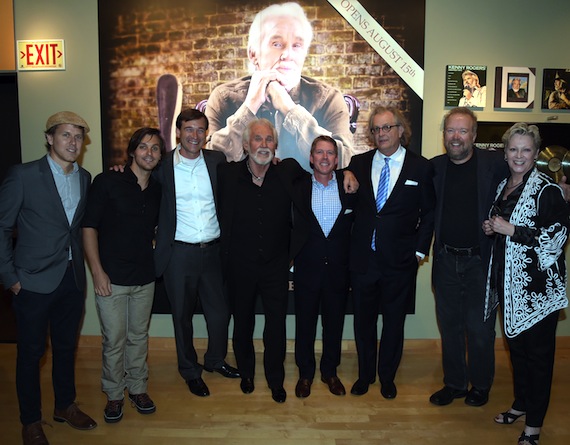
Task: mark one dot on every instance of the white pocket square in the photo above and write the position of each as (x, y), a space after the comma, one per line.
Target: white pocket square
(347, 211)
(410, 182)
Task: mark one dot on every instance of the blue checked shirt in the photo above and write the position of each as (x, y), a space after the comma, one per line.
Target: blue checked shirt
(326, 203)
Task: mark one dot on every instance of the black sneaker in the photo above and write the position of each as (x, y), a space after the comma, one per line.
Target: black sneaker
(113, 411)
(143, 403)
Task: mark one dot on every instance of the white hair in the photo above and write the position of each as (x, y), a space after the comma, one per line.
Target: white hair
(289, 9)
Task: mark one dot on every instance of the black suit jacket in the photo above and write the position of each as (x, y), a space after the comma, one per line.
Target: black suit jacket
(405, 223)
(29, 200)
(315, 250)
(491, 169)
(167, 216)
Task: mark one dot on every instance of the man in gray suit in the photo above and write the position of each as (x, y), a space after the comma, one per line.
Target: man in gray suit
(45, 201)
(187, 250)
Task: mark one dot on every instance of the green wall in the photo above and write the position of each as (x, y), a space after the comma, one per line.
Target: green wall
(487, 32)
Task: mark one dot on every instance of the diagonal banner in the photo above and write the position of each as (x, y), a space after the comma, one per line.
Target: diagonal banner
(377, 37)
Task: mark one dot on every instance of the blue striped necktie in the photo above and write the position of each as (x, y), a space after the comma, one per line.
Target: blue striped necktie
(382, 193)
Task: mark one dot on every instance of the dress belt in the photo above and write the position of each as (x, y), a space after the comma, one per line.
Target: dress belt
(200, 245)
(462, 251)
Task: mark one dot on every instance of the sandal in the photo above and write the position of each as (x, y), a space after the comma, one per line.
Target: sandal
(531, 439)
(508, 418)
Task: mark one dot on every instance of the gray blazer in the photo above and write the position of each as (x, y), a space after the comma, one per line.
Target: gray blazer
(167, 215)
(30, 203)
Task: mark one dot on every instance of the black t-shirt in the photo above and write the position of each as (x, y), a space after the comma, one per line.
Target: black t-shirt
(125, 218)
(460, 224)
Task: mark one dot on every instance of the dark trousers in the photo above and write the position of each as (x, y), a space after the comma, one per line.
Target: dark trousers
(389, 292)
(331, 299)
(193, 273)
(459, 283)
(532, 356)
(247, 280)
(61, 312)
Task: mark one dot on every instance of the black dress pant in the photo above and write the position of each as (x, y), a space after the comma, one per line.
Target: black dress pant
(328, 292)
(59, 311)
(532, 356)
(390, 292)
(246, 280)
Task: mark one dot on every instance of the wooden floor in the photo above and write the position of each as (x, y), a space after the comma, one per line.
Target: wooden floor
(230, 417)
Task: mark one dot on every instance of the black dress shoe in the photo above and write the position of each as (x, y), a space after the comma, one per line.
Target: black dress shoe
(247, 386)
(303, 388)
(360, 387)
(278, 394)
(477, 397)
(446, 395)
(388, 390)
(226, 370)
(198, 387)
(335, 385)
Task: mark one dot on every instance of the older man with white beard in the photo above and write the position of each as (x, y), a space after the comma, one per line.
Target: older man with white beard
(299, 107)
(255, 199)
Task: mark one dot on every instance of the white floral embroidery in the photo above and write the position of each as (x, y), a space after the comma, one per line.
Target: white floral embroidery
(523, 308)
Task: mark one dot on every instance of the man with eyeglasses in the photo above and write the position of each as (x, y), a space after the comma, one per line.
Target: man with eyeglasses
(391, 235)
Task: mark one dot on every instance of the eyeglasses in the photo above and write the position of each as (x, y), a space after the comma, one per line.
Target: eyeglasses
(383, 129)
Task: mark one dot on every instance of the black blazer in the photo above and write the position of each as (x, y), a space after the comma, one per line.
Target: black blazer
(29, 199)
(491, 169)
(167, 216)
(405, 223)
(311, 248)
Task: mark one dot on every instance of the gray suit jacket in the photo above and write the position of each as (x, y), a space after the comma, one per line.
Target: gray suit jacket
(30, 203)
(167, 215)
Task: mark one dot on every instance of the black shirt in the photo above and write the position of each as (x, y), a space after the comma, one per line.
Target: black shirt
(125, 218)
(262, 222)
(460, 223)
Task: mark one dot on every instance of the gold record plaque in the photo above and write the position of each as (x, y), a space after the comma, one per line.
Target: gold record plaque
(554, 160)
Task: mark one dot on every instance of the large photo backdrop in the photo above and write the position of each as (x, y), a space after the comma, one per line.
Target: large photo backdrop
(159, 55)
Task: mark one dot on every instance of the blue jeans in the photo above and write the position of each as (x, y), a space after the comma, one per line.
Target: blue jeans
(61, 312)
(125, 318)
(468, 342)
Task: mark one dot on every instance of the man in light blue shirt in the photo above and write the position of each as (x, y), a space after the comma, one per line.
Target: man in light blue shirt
(45, 201)
(322, 225)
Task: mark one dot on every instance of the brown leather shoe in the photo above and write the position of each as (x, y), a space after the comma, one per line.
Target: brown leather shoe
(303, 388)
(74, 417)
(33, 434)
(335, 385)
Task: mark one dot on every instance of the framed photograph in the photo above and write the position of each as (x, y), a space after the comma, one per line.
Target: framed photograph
(517, 87)
(465, 86)
(514, 87)
(555, 94)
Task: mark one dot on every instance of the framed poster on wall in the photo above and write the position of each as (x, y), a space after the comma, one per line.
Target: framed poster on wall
(514, 87)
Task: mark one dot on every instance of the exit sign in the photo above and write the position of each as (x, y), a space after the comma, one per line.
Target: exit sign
(38, 55)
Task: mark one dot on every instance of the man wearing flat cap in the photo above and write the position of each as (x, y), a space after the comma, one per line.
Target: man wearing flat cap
(44, 202)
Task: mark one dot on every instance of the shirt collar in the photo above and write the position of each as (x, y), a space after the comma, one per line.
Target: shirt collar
(178, 157)
(57, 169)
(316, 183)
(397, 156)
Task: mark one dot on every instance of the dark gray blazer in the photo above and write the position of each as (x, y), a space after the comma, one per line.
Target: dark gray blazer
(167, 216)
(30, 202)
